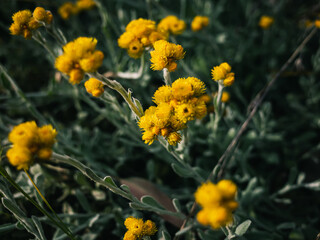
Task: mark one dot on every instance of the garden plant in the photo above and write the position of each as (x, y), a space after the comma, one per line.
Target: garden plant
(158, 119)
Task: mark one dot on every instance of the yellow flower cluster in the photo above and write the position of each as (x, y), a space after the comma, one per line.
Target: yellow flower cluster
(199, 22)
(139, 34)
(217, 202)
(176, 105)
(317, 23)
(94, 87)
(79, 57)
(137, 228)
(165, 55)
(68, 8)
(222, 74)
(30, 141)
(265, 22)
(24, 22)
(171, 25)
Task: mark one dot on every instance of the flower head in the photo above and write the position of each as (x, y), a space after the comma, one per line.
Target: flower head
(79, 57)
(23, 24)
(41, 15)
(94, 87)
(165, 54)
(265, 22)
(199, 22)
(171, 24)
(217, 202)
(137, 228)
(67, 9)
(176, 105)
(30, 141)
(222, 74)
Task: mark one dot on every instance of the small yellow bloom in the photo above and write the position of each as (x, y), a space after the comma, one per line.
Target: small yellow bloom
(227, 188)
(182, 89)
(85, 4)
(137, 228)
(199, 22)
(79, 56)
(20, 157)
(40, 14)
(135, 49)
(317, 23)
(208, 194)
(171, 24)
(165, 54)
(148, 137)
(25, 135)
(67, 9)
(223, 74)
(23, 24)
(30, 141)
(163, 94)
(265, 22)
(94, 87)
(174, 138)
(47, 135)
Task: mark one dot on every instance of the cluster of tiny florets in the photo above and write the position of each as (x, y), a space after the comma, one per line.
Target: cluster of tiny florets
(137, 228)
(199, 22)
(94, 87)
(266, 21)
(24, 22)
(222, 74)
(30, 141)
(165, 55)
(69, 8)
(171, 25)
(217, 202)
(139, 34)
(176, 105)
(78, 58)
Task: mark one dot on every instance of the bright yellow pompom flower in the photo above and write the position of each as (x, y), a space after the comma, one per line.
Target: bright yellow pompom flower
(165, 55)
(171, 24)
(137, 228)
(199, 22)
(222, 74)
(94, 87)
(265, 22)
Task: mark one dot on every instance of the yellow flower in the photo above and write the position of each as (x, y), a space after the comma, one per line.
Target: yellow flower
(25, 135)
(174, 138)
(135, 49)
(162, 114)
(40, 14)
(47, 135)
(20, 157)
(227, 188)
(149, 228)
(265, 22)
(30, 141)
(163, 94)
(225, 97)
(67, 9)
(137, 228)
(23, 24)
(223, 74)
(198, 86)
(148, 137)
(317, 23)
(199, 22)
(200, 108)
(125, 39)
(182, 89)
(165, 54)
(171, 24)
(94, 87)
(208, 194)
(156, 36)
(79, 57)
(85, 4)
(217, 202)
(141, 28)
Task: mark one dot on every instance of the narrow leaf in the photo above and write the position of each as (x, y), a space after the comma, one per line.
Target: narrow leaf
(182, 172)
(151, 202)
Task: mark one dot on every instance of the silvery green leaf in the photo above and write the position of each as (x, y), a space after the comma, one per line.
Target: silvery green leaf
(243, 227)
(148, 200)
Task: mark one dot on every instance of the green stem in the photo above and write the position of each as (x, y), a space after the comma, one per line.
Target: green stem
(126, 95)
(133, 75)
(166, 76)
(90, 174)
(217, 108)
